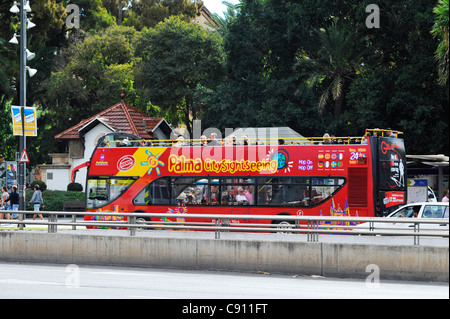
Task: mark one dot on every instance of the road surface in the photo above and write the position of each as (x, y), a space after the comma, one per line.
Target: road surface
(19, 280)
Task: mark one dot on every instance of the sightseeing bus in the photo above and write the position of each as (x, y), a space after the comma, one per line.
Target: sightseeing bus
(362, 176)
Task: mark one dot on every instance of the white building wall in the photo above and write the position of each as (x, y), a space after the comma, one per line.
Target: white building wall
(90, 142)
(60, 178)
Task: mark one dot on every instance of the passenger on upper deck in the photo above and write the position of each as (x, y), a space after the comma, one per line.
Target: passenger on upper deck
(364, 140)
(203, 141)
(389, 133)
(179, 142)
(326, 138)
(245, 139)
(213, 141)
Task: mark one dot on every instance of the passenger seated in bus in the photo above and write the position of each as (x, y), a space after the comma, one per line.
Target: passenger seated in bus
(181, 199)
(248, 193)
(213, 141)
(231, 141)
(203, 141)
(389, 133)
(245, 139)
(125, 142)
(190, 200)
(228, 198)
(269, 194)
(240, 198)
(198, 195)
(214, 192)
(148, 143)
(326, 139)
(192, 195)
(179, 142)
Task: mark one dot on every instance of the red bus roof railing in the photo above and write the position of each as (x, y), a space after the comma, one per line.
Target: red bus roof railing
(234, 141)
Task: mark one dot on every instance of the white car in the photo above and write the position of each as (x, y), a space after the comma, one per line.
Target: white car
(422, 210)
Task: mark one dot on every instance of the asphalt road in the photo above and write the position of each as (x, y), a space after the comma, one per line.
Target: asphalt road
(30, 281)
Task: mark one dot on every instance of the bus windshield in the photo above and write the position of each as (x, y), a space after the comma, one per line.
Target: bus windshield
(102, 190)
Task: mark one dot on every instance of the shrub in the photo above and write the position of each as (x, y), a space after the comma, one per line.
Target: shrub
(53, 200)
(75, 187)
(42, 185)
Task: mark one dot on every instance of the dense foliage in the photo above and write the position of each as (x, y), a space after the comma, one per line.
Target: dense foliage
(311, 65)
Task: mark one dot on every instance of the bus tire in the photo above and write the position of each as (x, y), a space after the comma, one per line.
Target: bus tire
(142, 219)
(283, 224)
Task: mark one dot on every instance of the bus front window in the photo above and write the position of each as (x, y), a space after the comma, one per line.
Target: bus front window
(103, 190)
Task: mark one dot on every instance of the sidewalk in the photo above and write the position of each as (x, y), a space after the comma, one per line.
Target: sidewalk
(34, 225)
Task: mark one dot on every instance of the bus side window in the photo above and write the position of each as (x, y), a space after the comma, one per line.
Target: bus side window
(324, 188)
(155, 193)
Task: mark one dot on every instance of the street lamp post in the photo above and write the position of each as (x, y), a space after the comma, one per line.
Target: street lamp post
(25, 55)
(23, 99)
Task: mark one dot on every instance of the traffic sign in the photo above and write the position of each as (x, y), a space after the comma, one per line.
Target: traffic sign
(24, 157)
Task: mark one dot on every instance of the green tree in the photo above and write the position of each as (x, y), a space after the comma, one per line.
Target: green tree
(440, 31)
(116, 8)
(179, 62)
(399, 89)
(49, 17)
(334, 64)
(93, 72)
(8, 143)
(4, 82)
(93, 15)
(260, 87)
(270, 43)
(148, 13)
(228, 16)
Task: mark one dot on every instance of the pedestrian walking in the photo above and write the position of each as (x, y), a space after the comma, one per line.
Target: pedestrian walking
(38, 202)
(4, 207)
(14, 201)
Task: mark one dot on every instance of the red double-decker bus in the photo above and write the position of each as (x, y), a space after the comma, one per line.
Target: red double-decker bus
(312, 176)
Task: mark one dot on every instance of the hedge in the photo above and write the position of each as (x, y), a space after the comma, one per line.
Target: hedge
(53, 200)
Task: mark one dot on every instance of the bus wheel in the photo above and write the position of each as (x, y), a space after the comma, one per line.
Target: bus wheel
(283, 225)
(142, 220)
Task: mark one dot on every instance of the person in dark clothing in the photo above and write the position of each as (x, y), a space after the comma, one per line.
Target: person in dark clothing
(14, 201)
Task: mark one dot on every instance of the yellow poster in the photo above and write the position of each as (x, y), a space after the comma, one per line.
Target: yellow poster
(30, 127)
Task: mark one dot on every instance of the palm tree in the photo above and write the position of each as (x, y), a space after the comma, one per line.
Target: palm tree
(229, 15)
(440, 31)
(335, 60)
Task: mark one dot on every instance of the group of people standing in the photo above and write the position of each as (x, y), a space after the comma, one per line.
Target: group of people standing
(10, 202)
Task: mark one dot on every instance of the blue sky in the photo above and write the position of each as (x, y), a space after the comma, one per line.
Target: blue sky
(216, 6)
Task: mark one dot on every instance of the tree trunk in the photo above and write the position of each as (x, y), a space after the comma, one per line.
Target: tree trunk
(119, 14)
(338, 104)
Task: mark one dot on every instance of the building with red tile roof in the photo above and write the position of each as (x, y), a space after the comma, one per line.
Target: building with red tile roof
(121, 117)
(83, 137)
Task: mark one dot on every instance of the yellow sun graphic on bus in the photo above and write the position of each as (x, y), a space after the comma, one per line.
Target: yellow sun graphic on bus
(153, 162)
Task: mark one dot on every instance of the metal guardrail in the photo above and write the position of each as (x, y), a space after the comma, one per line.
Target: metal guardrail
(313, 226)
